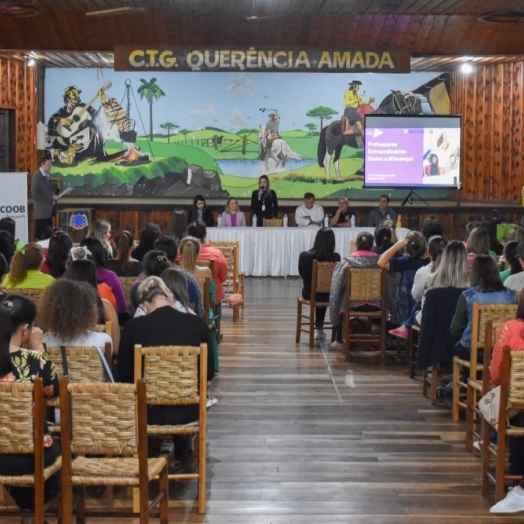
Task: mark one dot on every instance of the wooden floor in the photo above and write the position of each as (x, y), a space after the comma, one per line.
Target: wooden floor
(290, 442)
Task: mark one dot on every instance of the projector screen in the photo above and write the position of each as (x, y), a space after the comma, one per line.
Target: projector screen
(421, 151)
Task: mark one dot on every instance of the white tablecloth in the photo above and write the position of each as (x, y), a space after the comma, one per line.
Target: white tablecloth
(274, 251)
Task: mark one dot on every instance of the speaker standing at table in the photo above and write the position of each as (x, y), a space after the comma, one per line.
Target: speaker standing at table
(264, 201)
(44, 199)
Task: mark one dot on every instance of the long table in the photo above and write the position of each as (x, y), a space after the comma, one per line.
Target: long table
(274, 251)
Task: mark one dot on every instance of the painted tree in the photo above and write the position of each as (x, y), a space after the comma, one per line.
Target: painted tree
(184, 132)
(169, 126)
(322, 112)
(311, 127)
(151, 91)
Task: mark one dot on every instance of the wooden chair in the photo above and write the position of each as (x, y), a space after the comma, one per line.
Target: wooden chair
(273, 222)
(127, 284)
(177, 376)
(81, 365)
(435, 344)
(34, 294)
(365, 285)
(204, 284)
(211, 265)
(511, 396)
(22, 431)
(320, 283)
(104, 426)
(104, 328)
(235, 282)
(497, 313)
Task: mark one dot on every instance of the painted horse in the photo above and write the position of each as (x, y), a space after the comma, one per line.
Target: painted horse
(278, 150)
(333, 139)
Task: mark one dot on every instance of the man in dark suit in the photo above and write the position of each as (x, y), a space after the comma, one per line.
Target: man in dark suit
(44, 198)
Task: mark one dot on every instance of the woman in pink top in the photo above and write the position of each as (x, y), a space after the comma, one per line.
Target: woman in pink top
(233, 217)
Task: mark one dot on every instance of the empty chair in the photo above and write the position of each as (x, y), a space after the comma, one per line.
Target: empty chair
(104, 443)
(176, 377)
(22, 423)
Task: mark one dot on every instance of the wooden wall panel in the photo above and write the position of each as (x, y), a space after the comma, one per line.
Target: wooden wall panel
(18, 92)
(491, 103)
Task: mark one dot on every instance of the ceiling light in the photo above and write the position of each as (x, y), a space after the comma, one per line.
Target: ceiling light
(31, 62)
(502, 17)
(466, 68)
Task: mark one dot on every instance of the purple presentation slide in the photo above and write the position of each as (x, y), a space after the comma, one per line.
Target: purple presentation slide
(394, 156)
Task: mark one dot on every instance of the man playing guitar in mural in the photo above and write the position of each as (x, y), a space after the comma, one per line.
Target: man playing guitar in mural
(73, 131)
(352, 121)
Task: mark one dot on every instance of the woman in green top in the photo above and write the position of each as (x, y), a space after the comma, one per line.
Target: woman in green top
(24, 271)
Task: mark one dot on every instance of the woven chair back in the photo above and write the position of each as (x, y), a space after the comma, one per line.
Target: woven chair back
(496, 313)
(171, 374)
(322, 276)
(366, 285)
(33, 294)
(16, 417)
(273, 222)
(516, 380)
(84, 364)
(204, 284)
(104, 328)
(103, 419)
(127, 284)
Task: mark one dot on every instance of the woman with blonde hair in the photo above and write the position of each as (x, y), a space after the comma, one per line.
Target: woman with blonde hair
(232, 216)
(189, 249)
(24, 272)
(101, 230)
(69, 314)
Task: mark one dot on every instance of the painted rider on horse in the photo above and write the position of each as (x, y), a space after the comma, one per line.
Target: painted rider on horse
(271, 133)
(352, 121)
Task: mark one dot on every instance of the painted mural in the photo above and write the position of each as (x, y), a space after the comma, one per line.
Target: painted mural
(180, 134)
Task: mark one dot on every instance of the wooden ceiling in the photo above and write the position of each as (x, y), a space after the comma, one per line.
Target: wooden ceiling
(436, 32)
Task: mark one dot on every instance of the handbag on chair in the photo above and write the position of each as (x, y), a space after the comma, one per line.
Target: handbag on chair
(235, 300)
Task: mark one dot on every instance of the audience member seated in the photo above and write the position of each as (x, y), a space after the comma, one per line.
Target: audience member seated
(451, 271)
(69, 316)
(163, 325)
(104, 275)
(179, 224)
(199, 211)
(7, 247)
(60, 245)
(176, 282)
(515, 282)
(435, 247)
(155, 263)
(101, 230)
(24, 272)
(309, 213)
(189, 251)
(84, 271)
(431, 227)
(495, 246)
(9, 224)
(485, 288)
(515, 234)
(384, 238)
(22, 360)
(124, 264)
(148, 235)
(382, 212)
(232, 216)
(511, 261)
(323, 250)
(198, 230)
(168, 245)
(477, 244)
(342, 216)
(362, 258)
(414, 258)
(510, 334)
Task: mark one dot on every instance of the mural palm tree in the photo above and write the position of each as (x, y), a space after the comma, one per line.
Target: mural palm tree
(150, 91)
(169, 126)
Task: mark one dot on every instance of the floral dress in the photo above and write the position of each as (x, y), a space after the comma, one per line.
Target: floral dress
(28, 365)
